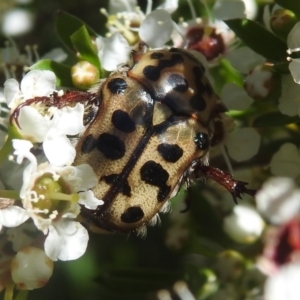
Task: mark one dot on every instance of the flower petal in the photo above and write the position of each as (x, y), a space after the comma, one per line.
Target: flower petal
(89, 200)
(284, 284)
(278, 200)
(235, 97)
(38, 83)
(13, 216)
(33, 125)
(156, 29)
(289, 103)
(70, 119)
(67, 240)
(244, 59)
(58, 149)
(169, 5)
(243, 143)
(112, 51)
(294, 37)
(11, 91)
(286, 161)
(229, 9)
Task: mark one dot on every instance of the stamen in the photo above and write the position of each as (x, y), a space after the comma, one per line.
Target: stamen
(53, 215)
(182, 291)
(208, 12)
(164, 295)
(36, 54)
(5, 70)
(13, 70)
(9, 291)
(29, 54)
(104, 12)
(128, 8)
(63, 197)
(192, 9)
(149, 7)
(130, 37)
(290, 51)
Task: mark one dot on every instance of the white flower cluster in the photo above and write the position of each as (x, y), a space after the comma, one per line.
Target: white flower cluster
(52, 191)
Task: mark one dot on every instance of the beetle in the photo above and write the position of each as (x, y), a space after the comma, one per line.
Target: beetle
(152, 133)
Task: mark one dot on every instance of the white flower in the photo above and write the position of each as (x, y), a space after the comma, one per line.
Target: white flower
(31, 268)
(243, 143)
(49, 196)
(50, 127)
(211, 37)
(289, 101)
(17, 21)
(286, 161)
(284, 284)
(278, 200)
(154, 28)
(112, 51)
(244, 225)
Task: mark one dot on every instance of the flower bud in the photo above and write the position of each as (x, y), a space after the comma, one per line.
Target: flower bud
(260, 82)
(244, 225)
(282, 21)
(31, 268)
(229, 265)
(84, 75)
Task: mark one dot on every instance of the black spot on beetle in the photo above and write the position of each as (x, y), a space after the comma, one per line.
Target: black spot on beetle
(122, 121)
(153, 72)
(132, 214)
(125, 189)
(170, 152)
(88, 144)
(111, 146)
(117, 85)
(178, 83)
(197, 102)
(201, 140)
(154, 174)
(157, 55)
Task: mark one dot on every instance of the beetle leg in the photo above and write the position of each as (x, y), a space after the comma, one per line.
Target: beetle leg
(235, 187)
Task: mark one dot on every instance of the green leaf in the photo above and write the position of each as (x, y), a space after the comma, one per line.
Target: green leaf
(62, 72)
(259, 39)
(293, 5)
(83, 44)
(274, 119)
(66, 25)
